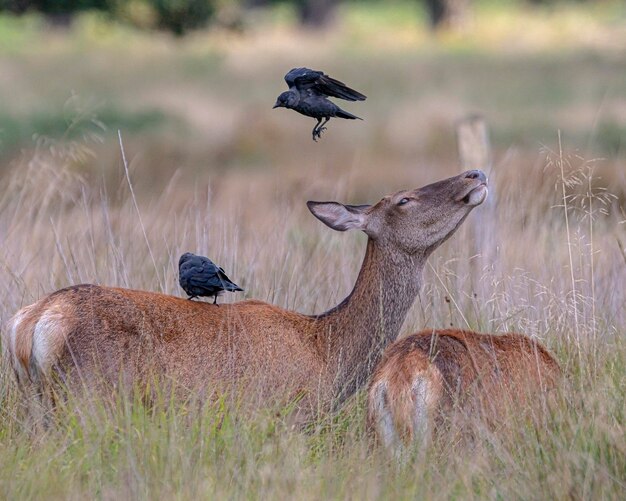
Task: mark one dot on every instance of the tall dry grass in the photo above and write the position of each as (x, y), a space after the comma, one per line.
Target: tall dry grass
(545, 256)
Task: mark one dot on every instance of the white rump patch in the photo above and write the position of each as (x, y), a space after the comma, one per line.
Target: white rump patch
(48, 336)
(420, 418)
(383, 416)
(8, 343)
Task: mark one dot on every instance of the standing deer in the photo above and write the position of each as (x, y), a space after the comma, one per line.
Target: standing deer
(94, 335)
(424, 378)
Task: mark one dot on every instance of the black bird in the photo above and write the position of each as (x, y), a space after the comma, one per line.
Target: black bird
(308, 94)
(199, 276)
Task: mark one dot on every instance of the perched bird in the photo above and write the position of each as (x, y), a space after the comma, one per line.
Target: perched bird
(308, 94)
(199, 276)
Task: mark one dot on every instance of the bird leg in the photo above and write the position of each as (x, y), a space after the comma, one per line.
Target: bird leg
(215, 300)
(321, 128)
(315, 132)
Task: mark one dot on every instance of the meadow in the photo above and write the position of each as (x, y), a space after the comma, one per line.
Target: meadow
(214, 170)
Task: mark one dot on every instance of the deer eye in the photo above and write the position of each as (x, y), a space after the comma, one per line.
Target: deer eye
(403, 201)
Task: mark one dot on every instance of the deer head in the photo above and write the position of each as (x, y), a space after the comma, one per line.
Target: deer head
(412, 222)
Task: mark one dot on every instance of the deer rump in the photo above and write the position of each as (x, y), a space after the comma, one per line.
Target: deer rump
(431, 378)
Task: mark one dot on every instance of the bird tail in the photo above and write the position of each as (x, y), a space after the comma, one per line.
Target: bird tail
(344, 114)
(232, 287)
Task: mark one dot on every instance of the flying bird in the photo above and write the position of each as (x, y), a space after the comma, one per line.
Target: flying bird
(308, 94)
(199, 276)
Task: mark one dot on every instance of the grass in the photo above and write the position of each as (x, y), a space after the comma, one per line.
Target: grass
(216, 173)
(59, 229)
(163, 452)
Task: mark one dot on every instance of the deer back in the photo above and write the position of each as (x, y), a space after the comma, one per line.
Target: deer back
(108, 335)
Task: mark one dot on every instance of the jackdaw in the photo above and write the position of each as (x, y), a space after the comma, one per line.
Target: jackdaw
(308, 94)
(199, 276)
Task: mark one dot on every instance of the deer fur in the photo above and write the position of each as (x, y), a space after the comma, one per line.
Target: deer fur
(92, 335)
(425, 377)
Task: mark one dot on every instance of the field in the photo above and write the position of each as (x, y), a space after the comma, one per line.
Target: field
(214, 170)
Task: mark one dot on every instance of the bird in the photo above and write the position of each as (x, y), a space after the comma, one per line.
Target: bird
(308, 94)
(199, 276)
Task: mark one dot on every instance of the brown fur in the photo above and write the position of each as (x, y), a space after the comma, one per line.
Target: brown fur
(475, 373)
(91, 335)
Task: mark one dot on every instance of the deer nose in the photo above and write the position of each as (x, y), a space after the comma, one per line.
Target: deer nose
(476, 174)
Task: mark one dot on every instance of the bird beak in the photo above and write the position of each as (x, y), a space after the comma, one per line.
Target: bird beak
(277, 105)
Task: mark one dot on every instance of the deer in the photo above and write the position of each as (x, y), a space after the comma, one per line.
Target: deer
(427, 379)
(97, 339)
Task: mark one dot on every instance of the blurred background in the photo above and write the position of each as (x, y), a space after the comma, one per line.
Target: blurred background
(191, 83)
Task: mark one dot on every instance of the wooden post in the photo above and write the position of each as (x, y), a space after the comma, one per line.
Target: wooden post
(473, 143)
(475, 153)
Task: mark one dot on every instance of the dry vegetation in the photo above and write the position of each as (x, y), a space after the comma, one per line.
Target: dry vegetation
(218, 173)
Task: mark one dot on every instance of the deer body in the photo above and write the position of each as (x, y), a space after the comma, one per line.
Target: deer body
(424, 378)
(91, 334)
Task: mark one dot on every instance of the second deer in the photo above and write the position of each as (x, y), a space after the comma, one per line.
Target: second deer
(426, 378)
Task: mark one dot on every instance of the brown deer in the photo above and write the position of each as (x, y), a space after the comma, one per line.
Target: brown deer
(424, 378)
(93, 335)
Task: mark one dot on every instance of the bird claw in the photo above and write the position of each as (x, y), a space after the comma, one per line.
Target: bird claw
(317, 133)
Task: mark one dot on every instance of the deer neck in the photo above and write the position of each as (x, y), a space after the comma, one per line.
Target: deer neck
(354, 333)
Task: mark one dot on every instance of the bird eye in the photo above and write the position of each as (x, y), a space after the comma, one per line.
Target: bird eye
(403, 201)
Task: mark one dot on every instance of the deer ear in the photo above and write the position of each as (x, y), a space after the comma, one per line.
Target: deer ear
(338, 216)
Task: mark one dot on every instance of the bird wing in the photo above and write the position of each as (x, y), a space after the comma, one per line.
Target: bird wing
(204, 275)
(197, 268)
(297, 77)
(206, 281)
(194, 274)
(305, 79)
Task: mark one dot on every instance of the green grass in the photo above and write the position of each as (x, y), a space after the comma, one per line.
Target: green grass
(129, 450)
(22, 130)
